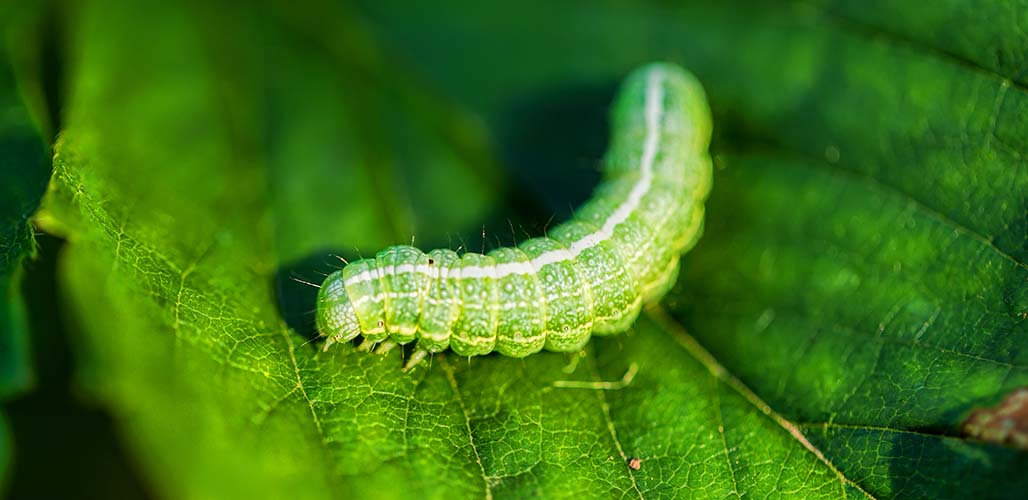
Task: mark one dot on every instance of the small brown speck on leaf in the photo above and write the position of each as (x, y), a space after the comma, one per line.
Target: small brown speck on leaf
(635, 463)
(1006, 423)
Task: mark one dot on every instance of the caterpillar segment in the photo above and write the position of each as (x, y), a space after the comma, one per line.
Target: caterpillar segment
(590, 275)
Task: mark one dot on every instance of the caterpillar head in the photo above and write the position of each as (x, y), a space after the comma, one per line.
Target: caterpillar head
(337, 320)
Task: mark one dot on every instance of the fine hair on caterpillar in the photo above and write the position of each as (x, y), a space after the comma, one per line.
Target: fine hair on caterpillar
(587, 276)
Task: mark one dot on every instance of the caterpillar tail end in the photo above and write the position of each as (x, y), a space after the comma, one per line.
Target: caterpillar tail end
(415, 359)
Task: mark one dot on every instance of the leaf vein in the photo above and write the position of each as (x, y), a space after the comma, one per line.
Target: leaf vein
(467, 423)
(605, 408)
(698, 352)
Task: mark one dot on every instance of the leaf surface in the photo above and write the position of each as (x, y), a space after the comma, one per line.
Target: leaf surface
(860, 287)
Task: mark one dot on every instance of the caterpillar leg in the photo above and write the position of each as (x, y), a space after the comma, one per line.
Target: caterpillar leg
(573, 363)
(329, 341)
(386, 346)
(367, 345)
(415, 359)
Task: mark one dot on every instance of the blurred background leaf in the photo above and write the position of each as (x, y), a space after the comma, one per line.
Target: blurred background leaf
(24, 170)
(859, 290)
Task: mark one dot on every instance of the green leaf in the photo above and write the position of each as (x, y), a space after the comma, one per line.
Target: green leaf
(5, 452)
(24, 172)
(860, 287)
(23, 176)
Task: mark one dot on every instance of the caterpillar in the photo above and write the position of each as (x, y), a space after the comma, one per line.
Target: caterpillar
(588, 276)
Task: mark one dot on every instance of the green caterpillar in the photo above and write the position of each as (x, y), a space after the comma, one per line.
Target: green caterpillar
(589, 275)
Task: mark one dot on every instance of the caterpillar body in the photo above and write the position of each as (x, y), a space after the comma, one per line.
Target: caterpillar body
(589, 275)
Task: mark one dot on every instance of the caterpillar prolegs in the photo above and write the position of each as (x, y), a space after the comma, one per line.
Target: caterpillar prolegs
(589, 275)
